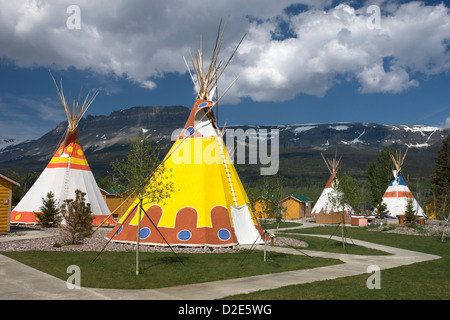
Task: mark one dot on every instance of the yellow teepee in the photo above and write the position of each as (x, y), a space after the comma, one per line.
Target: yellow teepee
(209, 206)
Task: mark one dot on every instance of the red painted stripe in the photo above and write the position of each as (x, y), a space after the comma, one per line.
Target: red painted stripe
(29, 217)
(390, 194)
(22, 217)
(72, 166)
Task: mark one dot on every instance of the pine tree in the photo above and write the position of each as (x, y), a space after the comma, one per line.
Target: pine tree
(78, 219)
(410, 214)
(440, 181)
(49, 215)
(382, 210)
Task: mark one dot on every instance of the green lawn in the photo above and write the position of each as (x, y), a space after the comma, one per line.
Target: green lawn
(118, 269)
(426, 280)
(419, 281)
(328, 245)
(271, 224)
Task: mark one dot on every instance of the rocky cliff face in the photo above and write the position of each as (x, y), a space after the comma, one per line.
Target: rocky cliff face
(98, 133)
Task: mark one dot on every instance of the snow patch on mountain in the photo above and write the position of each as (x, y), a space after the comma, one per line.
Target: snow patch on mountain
(4, 143)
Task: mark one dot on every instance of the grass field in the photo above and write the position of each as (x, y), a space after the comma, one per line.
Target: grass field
(426, 280)
(118, 269)
(419, 281)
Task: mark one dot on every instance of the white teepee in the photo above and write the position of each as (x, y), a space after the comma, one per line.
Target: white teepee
(398, 193)
(67, 171)
(323, 205)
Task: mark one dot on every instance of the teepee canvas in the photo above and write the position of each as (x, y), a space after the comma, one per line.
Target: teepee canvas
(209, 206)
(323, 204)
(67, 171)
(398, 193)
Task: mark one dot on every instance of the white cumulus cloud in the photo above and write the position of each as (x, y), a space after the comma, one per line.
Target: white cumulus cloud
(335, 44)
(447, 122)
(285, 52)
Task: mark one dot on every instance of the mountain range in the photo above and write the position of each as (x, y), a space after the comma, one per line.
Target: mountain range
(105, 138)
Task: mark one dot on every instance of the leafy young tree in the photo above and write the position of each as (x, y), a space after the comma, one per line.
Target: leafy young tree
(142, 164)
(49, 215)
(379, 174)
(77, 217)
(268, 195)
(347, 193)
(134, 173)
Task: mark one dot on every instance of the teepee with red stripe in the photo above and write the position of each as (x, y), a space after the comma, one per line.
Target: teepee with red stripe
(398, 194)
(324, 204)
(67, 171)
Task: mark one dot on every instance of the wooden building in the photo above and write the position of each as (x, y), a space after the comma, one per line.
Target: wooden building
(259, 207)
(118, 203)
(6, 185)
(297, 207)
(333, 218)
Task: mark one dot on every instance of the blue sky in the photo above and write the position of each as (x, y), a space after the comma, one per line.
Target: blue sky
(301, 61)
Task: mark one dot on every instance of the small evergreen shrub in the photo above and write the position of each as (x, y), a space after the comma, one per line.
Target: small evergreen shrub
(78, 219)
(49, 215)
(410, 214)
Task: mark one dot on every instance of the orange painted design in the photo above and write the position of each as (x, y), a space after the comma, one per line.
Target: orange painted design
(330, 181)
(398, 194)
(29, 217)
(190, 123)
(73, 151)
(185, 231)
(23, 217)
(98, 219)
(405, 194)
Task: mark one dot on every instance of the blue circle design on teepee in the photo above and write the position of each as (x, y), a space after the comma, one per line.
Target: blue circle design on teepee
(119, 230)
(224, 234)
(184, 235)
(189, 131)
(144, 233)
(202, 105)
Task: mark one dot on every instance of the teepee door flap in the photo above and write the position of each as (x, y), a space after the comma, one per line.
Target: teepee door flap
(244, 228)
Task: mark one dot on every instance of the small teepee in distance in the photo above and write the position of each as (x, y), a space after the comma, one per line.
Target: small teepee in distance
(398, 193)
(67, 171)
(209, 206)
(323, 204)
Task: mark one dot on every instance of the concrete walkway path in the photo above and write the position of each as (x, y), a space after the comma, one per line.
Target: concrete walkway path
(18, 281)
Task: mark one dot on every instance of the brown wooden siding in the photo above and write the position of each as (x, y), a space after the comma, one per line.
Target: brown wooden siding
(5, 204)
